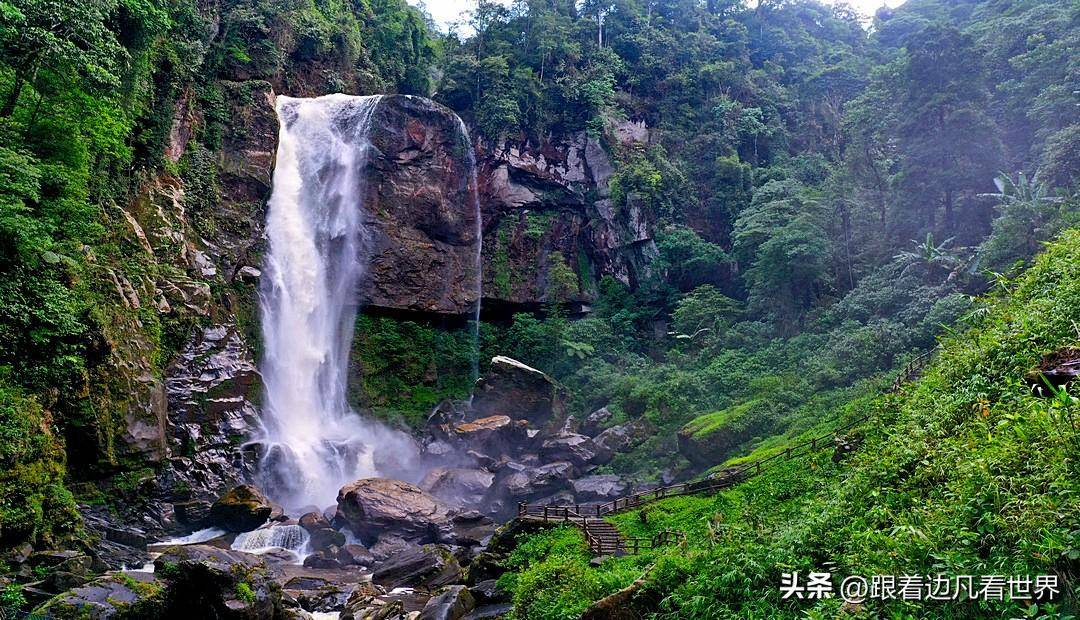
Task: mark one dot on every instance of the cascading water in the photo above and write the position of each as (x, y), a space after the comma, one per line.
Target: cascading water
(314, 442)
(289, 537)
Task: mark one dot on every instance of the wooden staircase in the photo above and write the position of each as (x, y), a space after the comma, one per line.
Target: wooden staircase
(604, 538)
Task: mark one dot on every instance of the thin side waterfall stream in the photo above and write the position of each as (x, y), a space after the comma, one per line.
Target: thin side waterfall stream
(314, 442)
(478, 266)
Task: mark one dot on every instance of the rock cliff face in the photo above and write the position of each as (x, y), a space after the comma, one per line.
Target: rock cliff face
(420, 210)
(537, 202)
(201, 232)
(554, 198)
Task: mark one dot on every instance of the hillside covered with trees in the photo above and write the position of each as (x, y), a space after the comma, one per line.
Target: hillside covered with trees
(825, 200)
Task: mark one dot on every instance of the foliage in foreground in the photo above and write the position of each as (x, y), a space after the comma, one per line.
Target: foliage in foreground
(963, 472)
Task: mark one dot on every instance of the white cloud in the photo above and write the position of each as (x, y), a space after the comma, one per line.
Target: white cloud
(446, 12)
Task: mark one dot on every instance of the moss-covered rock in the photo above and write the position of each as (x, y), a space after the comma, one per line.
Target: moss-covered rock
(34, 505)
(114, 596)
(241, 509)
(710, 439)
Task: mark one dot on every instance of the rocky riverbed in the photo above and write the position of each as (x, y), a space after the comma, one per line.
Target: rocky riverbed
(382, 548)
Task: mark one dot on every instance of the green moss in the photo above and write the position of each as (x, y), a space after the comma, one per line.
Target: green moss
(34, 504)
(538, 223)
(500, 265)
(245, 593)
(703, 426)
(402, 369)
(584, 272)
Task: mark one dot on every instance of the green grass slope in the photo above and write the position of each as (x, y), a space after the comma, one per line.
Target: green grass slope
(962, 472)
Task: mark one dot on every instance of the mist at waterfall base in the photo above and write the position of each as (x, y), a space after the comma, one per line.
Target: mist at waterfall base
(313, 441)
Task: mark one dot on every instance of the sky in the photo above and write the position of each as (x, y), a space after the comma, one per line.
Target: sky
(446, 12)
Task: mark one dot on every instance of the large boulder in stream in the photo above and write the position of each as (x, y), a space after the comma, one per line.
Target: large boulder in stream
(429, 566)
(511, 388)
(241, 509)
(192, 581)
(113, 595)
(451, 603)
(377, 506)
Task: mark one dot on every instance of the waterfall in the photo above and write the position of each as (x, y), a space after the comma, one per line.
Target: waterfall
(478, 265)
(314, 443)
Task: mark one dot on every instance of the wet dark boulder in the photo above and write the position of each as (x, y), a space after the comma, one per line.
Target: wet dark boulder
(621, 438)
(450, 603)
(470, 529)
(574, 448)
(389, 545)
(206, 582)
(313, 520)
(115, 596)
(321, 533)
(428, 566)
(514, 389)
(488, 591)
(324, 558)
(595, 421)
(378, 506)
(314, 592)
(241, 509)
(599, 488)
(457, 486)
(525, 483)
(494, 434)
(193, 513)
(356, 555)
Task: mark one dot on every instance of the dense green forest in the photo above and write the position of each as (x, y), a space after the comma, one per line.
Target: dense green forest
(826, 200)
(829, 197)
(963, 472)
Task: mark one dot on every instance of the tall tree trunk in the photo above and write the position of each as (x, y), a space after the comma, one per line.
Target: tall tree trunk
(949, 223)
(12, 99)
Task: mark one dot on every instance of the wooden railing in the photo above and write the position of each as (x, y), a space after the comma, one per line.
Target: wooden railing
(599, 542)
(716, 482)
(635, 545)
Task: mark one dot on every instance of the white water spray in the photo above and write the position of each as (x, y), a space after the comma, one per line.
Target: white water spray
(314, 442)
